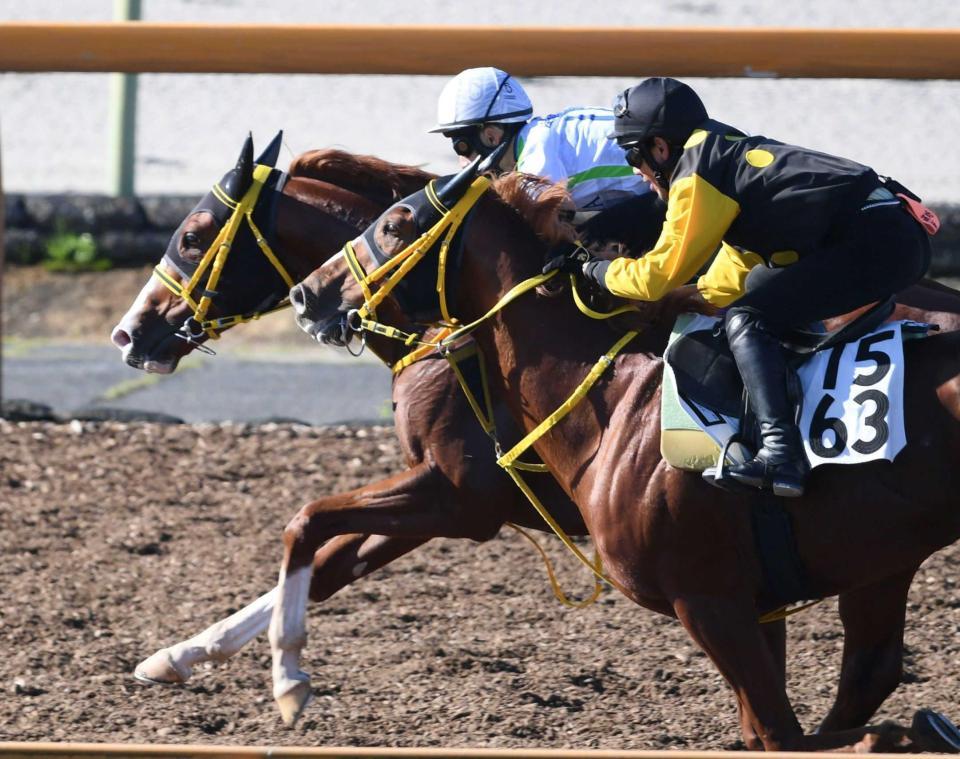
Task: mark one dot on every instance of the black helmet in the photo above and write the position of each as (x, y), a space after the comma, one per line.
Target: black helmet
(657, 107)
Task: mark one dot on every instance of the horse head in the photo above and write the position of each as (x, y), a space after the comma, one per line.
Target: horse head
(412, 263)
(236, 254)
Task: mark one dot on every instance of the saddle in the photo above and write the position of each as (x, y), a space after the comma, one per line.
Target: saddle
(707, 422)
(706, 373)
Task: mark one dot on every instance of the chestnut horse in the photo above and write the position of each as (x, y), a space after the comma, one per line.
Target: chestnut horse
(669, 541)
(329, 198)
(452, 487)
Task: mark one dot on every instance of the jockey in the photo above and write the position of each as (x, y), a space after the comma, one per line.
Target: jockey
(830, 234)
(480, 108)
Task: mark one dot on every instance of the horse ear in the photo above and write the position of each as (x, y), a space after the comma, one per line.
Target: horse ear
(236, 183)
(272, 152)
(453, 190)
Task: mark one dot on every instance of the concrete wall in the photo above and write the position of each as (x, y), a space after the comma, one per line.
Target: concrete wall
(134, 232)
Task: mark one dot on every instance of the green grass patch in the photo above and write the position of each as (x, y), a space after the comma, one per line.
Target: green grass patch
(73, 251)
(130, 386)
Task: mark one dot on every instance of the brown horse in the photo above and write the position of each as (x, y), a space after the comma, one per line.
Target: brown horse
(329, 197)
(669, 541)
(452, 487)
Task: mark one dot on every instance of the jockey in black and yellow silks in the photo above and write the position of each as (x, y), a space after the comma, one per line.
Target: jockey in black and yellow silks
(831, 236)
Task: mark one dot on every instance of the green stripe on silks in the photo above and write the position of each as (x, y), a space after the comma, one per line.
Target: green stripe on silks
(599, 172)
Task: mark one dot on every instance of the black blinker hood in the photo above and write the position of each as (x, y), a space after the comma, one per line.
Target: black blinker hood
(252, 266)
(416, 292)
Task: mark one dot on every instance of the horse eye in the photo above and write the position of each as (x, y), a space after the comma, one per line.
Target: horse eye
(191, 240)
(390, 227)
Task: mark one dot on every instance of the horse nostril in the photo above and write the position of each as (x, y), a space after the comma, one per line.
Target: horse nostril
(298, 299)
(120, 338)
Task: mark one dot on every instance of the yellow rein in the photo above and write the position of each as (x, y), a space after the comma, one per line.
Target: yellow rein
(215, 258)
(402, 263)
(444, 342)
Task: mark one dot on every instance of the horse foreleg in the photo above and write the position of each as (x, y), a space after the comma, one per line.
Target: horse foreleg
(288, 635)
(873, 620)
(728, 631)
(775, 637)
(418, 503)
(338, 563)
(218, 642)
(347, 558)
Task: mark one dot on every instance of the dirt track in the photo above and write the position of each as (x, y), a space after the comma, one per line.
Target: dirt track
(117, 540)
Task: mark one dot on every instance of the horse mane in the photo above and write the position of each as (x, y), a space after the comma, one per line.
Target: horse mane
(541, 203)
(364, 175)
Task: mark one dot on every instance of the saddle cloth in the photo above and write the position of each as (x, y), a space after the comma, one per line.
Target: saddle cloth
(851, 407)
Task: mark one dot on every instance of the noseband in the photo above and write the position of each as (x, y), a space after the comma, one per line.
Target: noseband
(215, 258)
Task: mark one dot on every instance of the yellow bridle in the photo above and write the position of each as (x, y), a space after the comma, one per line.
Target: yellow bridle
(403, 262)
(446, 341)
(395, 269)
(215, 258)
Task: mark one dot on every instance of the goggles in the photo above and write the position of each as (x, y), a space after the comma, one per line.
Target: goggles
(620, 109)
(466, 142)
(635, 154)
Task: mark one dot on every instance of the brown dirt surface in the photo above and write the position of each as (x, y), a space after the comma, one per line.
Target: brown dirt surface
(120, 539)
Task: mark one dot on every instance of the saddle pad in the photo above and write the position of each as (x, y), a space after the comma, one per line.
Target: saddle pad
(852, 409)
(684, 443)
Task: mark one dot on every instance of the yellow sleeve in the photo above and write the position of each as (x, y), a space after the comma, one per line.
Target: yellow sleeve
(698, 215)
(723, 282)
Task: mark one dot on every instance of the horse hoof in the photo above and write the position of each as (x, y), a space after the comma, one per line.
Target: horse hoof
(160, 669)
(933, 731)
(293, 702)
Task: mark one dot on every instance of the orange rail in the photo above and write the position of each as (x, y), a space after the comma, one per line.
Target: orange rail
(137, 751)
(527, 51)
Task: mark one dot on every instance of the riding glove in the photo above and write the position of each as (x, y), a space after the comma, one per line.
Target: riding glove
(571, 261)
(596, 271)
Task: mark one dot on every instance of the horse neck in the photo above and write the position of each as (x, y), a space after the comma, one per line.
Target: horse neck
(314, 221)
(548, 344)
(540, 349)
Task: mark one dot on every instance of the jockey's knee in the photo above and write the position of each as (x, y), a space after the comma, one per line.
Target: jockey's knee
(736, 320)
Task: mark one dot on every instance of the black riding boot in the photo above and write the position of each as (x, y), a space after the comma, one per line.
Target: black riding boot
(781, 463)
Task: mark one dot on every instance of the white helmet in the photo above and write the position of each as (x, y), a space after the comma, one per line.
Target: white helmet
(481, 96)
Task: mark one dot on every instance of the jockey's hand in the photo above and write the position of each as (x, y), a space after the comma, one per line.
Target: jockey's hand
(570, 262)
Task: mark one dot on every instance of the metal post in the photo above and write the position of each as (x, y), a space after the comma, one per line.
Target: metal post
(123, 114)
